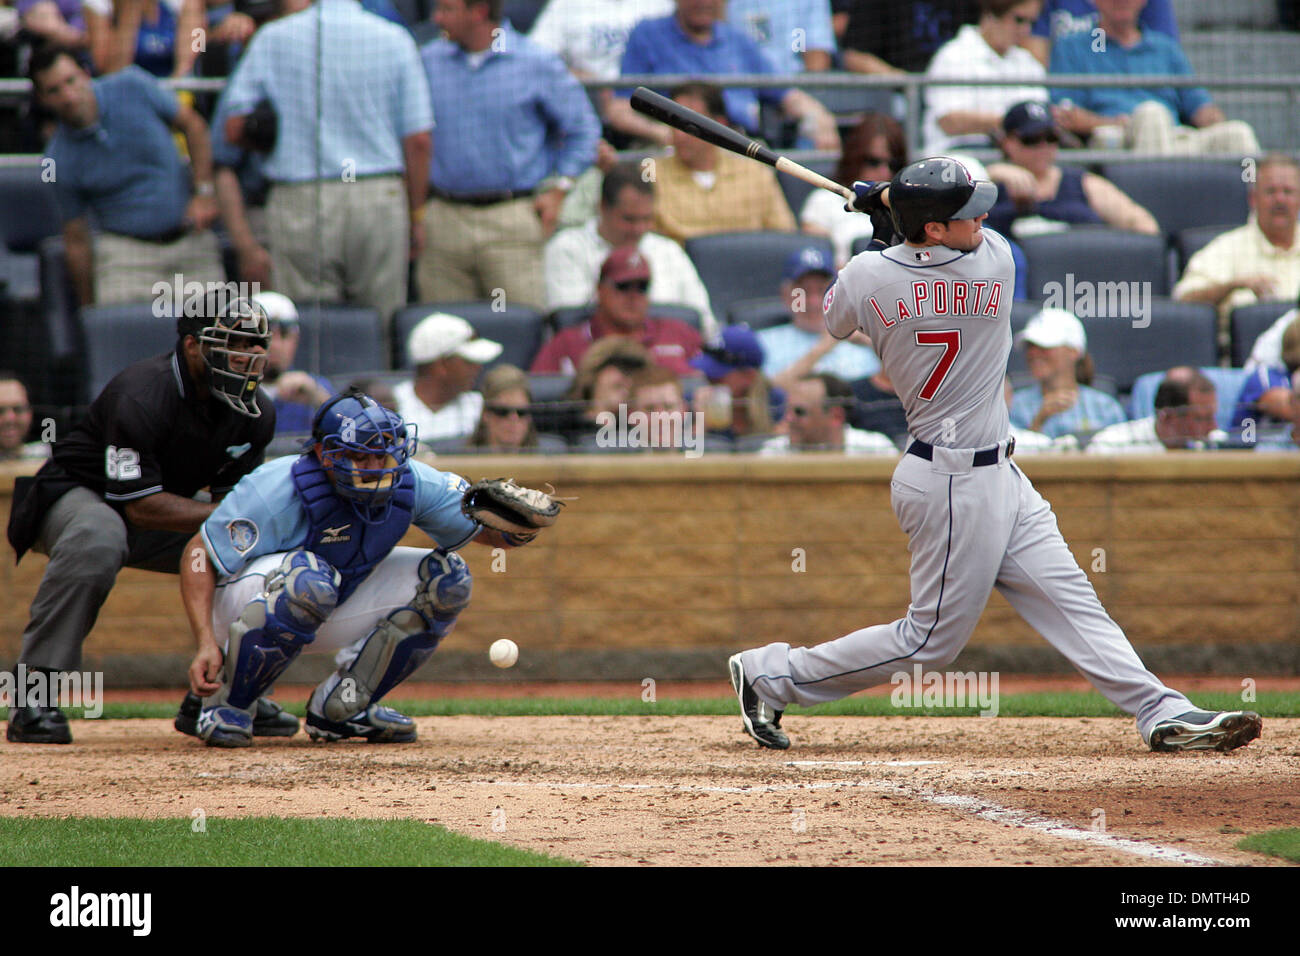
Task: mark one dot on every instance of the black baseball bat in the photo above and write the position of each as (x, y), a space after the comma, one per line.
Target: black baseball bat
(695, 124)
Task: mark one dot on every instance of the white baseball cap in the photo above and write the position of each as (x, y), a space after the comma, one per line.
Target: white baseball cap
(1052, 328)
(279, 308)
(439, 335)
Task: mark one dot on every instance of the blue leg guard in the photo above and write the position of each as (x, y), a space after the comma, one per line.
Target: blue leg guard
(399, 644)
(274, 627)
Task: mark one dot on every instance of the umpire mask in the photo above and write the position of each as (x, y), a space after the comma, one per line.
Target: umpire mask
(228, 335)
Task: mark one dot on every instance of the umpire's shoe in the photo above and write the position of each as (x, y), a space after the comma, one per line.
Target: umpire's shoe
(376, 724)
(760, 721)
(269, 718)
(38, 725)
(1201, 730)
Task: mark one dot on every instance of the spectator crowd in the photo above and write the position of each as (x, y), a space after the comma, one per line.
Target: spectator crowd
(380, 154)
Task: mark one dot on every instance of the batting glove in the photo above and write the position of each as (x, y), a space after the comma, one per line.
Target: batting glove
(866, 197)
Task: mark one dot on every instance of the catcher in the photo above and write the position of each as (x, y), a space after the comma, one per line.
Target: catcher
(302, 555)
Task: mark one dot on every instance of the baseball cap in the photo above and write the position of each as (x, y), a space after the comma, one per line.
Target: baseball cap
(1028, 119)
(1052, 328)
(439, 335)
(738, 347)
(625, 264)
(279, 308)
(808, 259)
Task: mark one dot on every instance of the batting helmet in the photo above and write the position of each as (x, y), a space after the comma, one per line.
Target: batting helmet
(352, 428)
(936, 190)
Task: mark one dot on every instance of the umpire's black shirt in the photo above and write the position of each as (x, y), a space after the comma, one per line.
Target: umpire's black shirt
(148, 431)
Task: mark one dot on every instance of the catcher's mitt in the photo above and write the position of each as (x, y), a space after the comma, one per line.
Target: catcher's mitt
(501, 504)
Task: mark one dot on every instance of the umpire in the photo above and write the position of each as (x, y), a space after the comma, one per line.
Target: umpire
(119, 489)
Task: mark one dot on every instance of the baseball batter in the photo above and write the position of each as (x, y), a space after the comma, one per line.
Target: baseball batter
(937, 309)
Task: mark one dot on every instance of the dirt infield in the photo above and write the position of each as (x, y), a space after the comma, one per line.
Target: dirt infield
(692, 790)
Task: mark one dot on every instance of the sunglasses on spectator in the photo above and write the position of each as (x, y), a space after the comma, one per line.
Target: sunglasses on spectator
(877, 160)
(633, 285)
(502, 411)
(1022, 20)
(14, 409)
(801, 411)
(1038, 139)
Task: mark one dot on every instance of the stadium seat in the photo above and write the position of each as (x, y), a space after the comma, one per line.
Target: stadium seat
(29, 214)
(340, 341)
(760, 313)
(519, 329)
(1021, 312)
(743, 265)
(117, 335)
(1248, 322)
(1180, 333)
(797, 191)
(1189, 242)
(522, 14)
(548, 386)
(1184, 192)
(1095, 262)
(577, 314)
(1227, 385)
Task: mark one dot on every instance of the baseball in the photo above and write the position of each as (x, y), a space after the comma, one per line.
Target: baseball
(504, 653)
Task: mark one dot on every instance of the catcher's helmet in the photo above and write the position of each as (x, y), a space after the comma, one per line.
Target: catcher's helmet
(348, 429)
(936, 190)
(228, 331)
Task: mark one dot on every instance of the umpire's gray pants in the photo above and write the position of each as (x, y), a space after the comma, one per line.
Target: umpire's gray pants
(88, 542)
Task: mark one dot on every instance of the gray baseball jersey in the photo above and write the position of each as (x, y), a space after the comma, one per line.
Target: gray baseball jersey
(939, 320)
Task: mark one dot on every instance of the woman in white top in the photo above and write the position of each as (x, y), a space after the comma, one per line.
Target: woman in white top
(965, 114)
(874, 149)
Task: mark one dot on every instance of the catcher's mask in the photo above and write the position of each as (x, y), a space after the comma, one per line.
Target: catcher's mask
(364, 448)
(228, 334)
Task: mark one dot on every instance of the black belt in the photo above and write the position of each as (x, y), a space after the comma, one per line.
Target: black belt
(481, 199)
(987, 456)
(167, 238)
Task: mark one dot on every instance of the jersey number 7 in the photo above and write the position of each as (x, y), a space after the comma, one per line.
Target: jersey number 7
(950, 339)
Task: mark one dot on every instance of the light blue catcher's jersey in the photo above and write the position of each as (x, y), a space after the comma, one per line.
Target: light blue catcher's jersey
(263, 514)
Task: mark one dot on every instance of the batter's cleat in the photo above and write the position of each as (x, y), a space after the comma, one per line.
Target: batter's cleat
(269, 718)
(38, 725)
(760, 721)
(1201, 730)
(376, 724)
(225, 727)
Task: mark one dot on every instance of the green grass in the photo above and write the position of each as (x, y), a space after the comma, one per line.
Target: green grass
(1283, 843)
(1069, 704)
(249, 841)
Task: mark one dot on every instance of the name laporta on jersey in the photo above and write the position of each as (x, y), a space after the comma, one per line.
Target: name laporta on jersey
(935, 297)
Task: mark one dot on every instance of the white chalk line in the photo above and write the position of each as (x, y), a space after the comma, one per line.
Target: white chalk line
(975, 806)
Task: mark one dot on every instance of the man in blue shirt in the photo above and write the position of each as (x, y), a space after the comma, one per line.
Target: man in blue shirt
(1061, 18)
(349, 173)
(1165, 120)
(112, 158)
(514, 130)
(695, 40)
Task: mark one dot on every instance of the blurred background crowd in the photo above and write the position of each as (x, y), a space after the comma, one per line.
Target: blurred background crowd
(452, 202)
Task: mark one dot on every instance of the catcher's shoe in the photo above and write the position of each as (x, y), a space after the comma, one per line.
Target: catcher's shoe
(38, 725)
(1201, 730)
(760, 721)
(225, 727)
(376, 724)
(269, 718)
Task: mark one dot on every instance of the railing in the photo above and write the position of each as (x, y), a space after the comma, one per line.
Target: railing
(907, 85)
